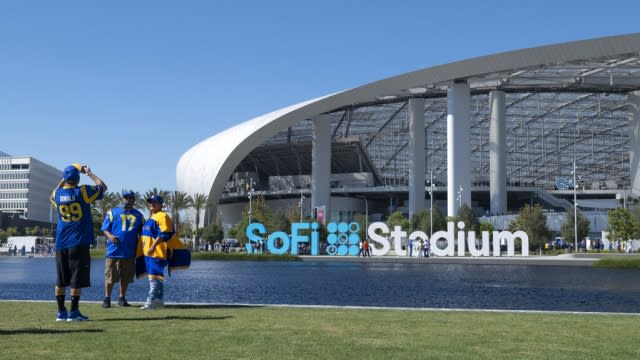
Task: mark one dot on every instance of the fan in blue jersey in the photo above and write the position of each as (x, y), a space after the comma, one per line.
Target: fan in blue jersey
(122, 226)
(74, 236)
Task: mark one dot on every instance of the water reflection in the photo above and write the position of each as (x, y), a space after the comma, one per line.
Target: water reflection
(360, 284)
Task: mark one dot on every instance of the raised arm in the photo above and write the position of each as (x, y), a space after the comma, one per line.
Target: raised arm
(87, 170)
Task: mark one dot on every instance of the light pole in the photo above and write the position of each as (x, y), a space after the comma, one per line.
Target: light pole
(366, 213)
(431, 204)
(250, 195)
(301, 203)
(575, 208)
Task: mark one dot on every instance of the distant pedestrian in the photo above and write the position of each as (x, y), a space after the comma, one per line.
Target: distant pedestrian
(426, 248)
(410, 252)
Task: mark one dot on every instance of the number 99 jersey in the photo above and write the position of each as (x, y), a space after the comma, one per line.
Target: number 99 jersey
(73, 204)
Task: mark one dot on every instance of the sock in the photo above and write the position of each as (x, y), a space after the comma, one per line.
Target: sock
(60, 301)
(74, 302)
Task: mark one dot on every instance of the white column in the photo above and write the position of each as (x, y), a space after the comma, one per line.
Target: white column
(416, 156)
(497, 153)
(634, 141)
(458, 150)
(321, 164)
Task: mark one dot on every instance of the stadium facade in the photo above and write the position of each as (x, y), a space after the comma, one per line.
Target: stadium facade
(494, 132)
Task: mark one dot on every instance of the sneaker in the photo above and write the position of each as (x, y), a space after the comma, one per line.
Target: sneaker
(76, 316)
(155, 304)
(62, 315)
(123, 302)
(106, 303)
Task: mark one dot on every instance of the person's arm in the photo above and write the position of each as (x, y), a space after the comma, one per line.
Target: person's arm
(60, 185)
(155, 243)
(95, 178)
(110, 236)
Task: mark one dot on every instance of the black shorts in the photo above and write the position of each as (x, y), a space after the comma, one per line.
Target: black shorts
(73, 266)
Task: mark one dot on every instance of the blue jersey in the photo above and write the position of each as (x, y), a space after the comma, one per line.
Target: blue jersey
(126, 225)
(73, 204)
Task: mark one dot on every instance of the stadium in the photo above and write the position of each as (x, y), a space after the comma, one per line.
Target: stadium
(548, 125)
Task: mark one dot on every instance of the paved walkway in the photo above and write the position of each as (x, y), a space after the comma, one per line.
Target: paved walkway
(560, 260)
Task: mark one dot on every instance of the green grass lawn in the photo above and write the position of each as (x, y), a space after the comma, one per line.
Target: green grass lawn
(627, 262)
(28, 331)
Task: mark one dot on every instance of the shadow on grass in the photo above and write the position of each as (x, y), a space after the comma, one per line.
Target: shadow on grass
(170, 317)
(47, 331)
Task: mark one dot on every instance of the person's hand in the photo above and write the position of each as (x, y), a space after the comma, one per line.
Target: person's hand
(152, 248)
(114, 239)
(87, 170)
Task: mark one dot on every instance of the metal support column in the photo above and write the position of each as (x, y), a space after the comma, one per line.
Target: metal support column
(458, 149)
(416, 156)
(321, 164)
(497, 153)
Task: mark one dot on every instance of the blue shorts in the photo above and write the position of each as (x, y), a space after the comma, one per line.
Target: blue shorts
(155, 266)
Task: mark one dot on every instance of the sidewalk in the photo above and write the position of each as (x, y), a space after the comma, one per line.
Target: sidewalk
(560, 260)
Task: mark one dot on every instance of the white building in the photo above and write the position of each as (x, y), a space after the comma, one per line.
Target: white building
(25, 186)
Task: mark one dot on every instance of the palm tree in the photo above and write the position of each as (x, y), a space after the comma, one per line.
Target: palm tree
(109, 200)
(100, 208)
(178, 201)
(199, 201)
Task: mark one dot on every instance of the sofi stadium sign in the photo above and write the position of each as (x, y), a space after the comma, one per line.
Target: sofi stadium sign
(343, 240)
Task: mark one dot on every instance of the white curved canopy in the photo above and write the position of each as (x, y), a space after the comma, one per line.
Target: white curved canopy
(206, 167)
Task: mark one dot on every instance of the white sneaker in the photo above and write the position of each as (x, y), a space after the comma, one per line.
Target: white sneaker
(154, 304)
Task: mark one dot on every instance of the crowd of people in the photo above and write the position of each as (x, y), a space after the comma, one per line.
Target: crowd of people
(38, 250)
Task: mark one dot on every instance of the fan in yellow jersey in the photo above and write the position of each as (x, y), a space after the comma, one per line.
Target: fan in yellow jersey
(160, 247)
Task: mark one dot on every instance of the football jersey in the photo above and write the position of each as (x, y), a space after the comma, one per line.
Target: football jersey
(73, 205)
(158, 225)
(126, 225)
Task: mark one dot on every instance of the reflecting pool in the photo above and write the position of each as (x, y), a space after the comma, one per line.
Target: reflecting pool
(419, 285)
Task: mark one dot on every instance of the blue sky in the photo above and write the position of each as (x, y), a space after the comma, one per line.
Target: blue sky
(128, 86)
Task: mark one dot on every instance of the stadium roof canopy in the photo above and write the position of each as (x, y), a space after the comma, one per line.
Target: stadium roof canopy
(563, 102)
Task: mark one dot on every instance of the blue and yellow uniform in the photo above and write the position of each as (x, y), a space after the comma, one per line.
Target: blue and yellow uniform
(171, 251)
(73, 204)
(160, 226)
(126, 225)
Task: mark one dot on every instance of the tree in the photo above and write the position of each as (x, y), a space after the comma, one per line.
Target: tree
(179, 201)
(199, 201)
(466, 215)
(567, 231)
(361, 219)
(212, 233)
(100, 208)
(439, 222)
(622, 225)
(420, 222)
(397, 219)
(260, 212)
(534, 222)
(12, 231)
(109, 201)
(487, 226)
